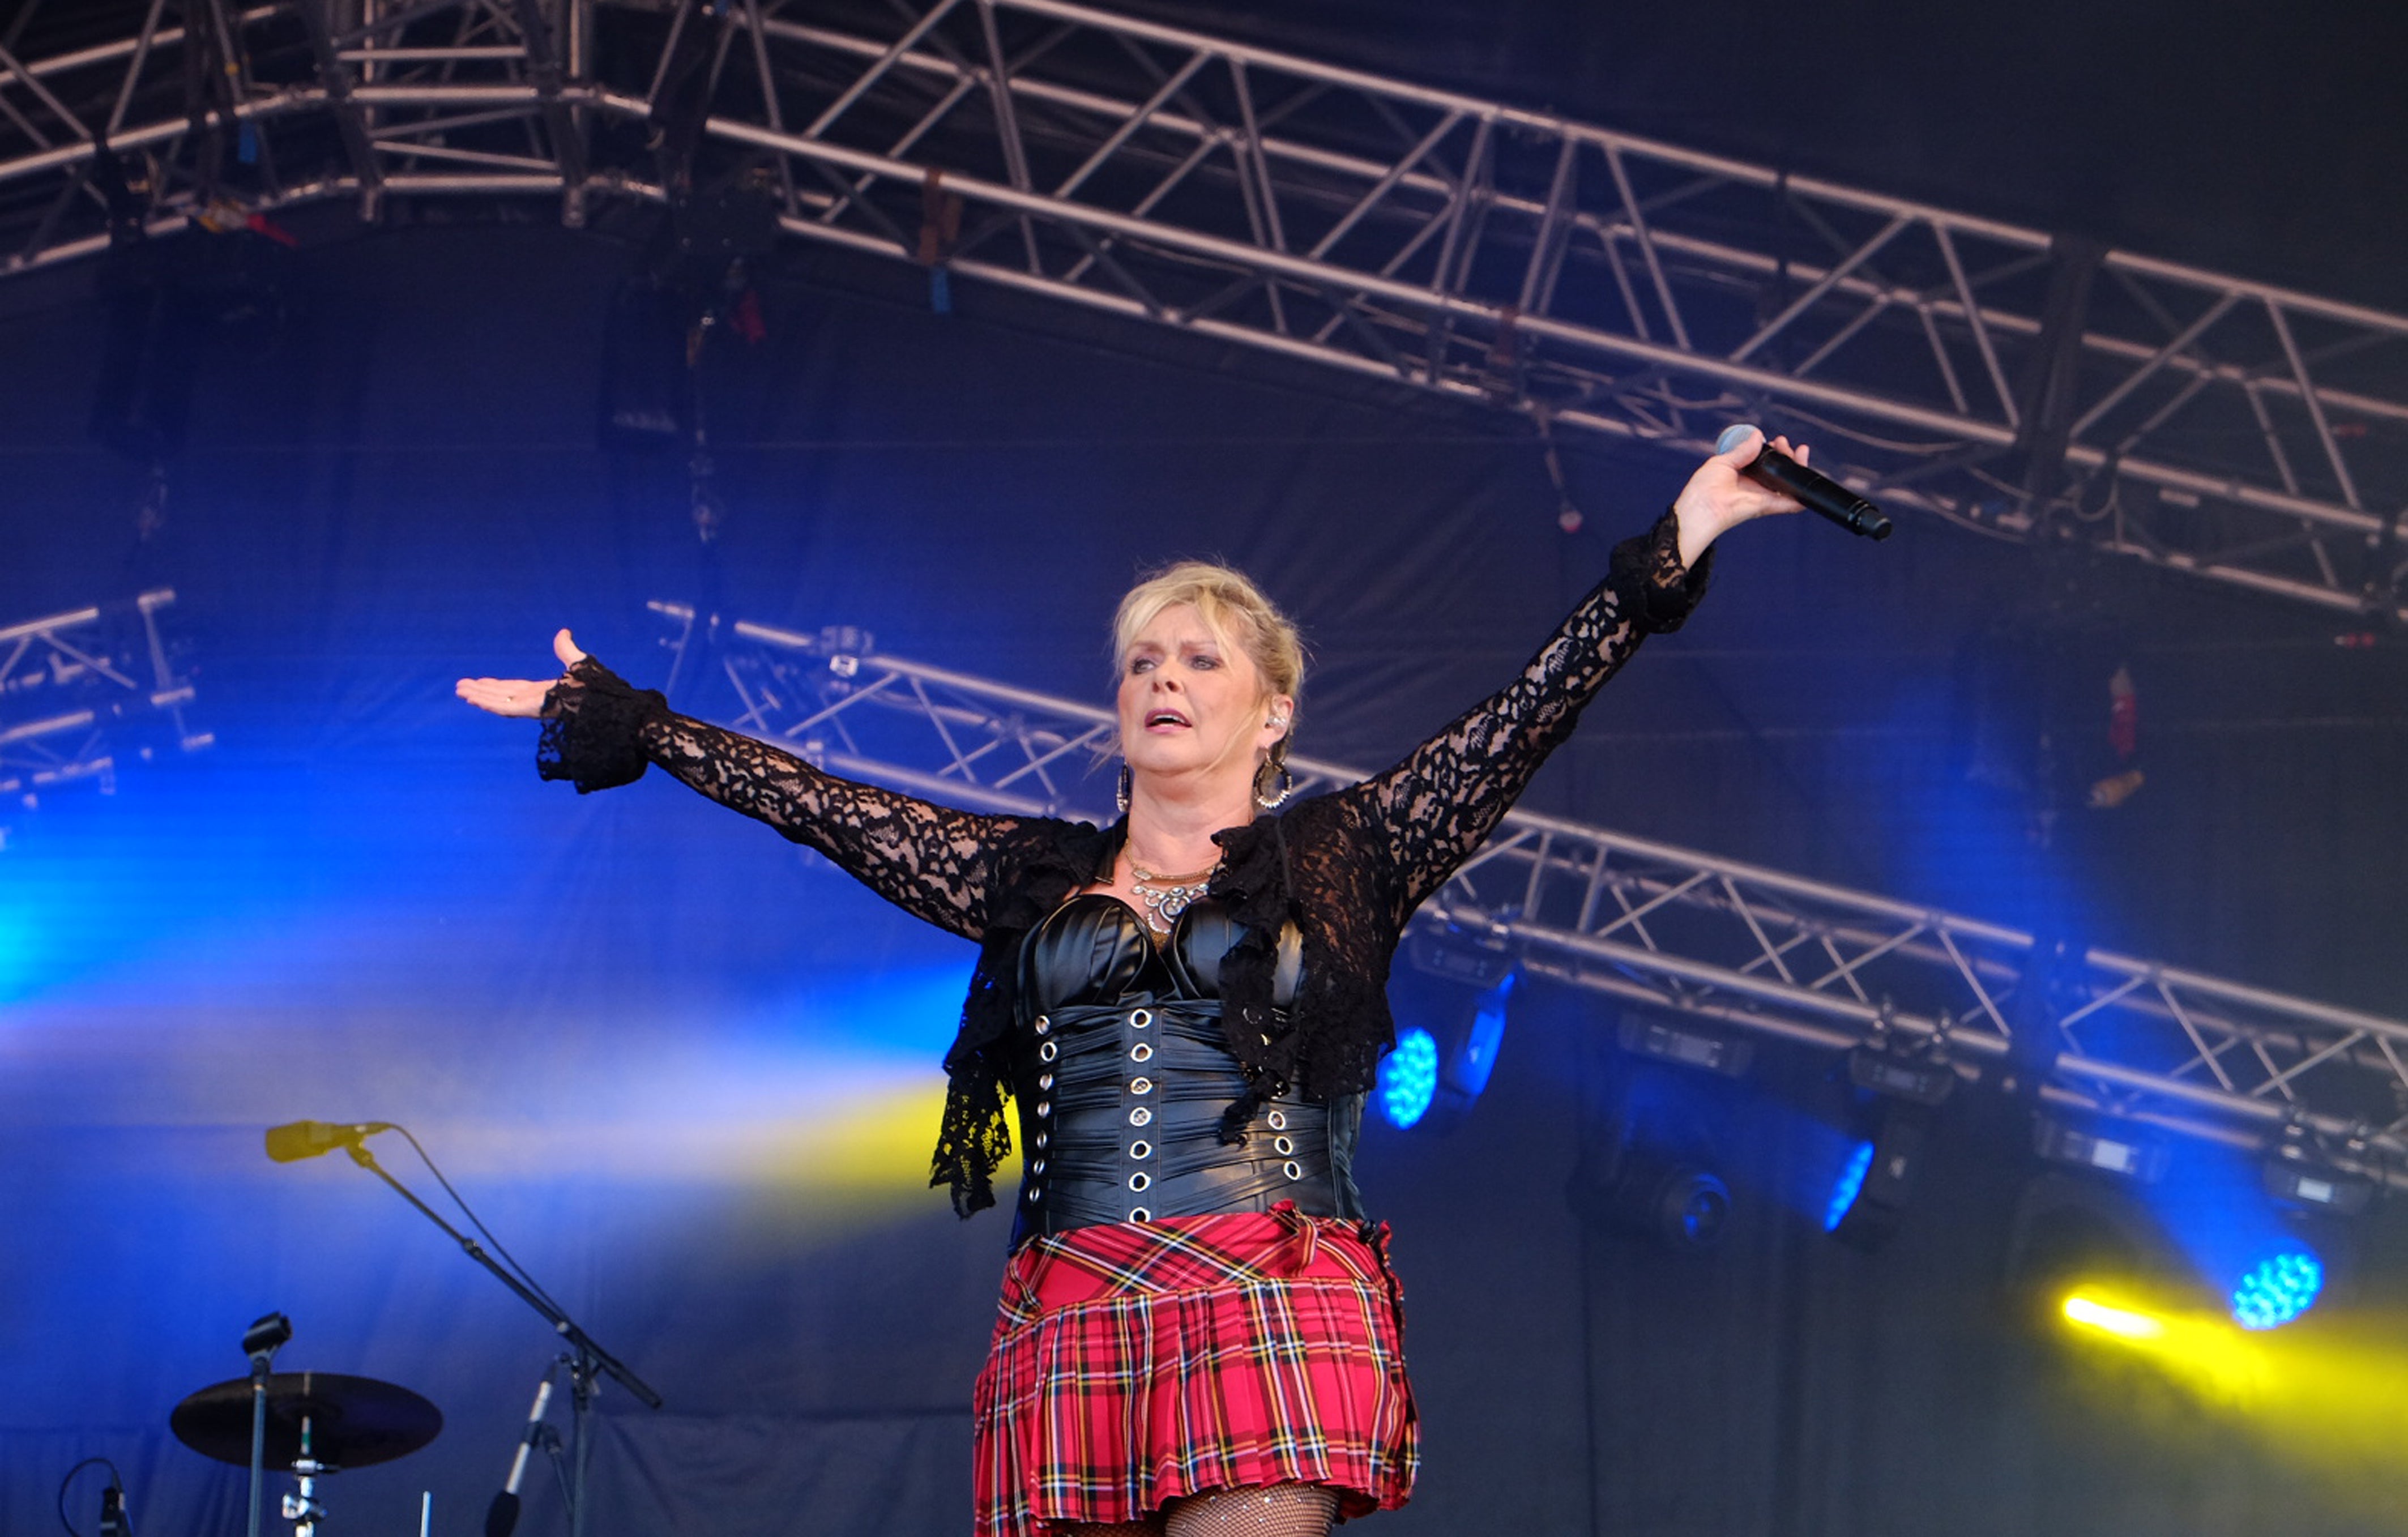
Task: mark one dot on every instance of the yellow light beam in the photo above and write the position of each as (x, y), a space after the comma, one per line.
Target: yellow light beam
(2118, 1321)
(2215, 1360)
(2328, 1399)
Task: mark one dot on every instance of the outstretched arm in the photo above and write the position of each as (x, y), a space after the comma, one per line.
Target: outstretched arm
(1430, 812)
(932, 861)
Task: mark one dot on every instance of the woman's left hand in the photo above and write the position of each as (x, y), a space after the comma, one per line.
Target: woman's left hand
(1719, 498)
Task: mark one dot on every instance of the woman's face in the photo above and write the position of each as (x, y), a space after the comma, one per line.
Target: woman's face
(1190, 705)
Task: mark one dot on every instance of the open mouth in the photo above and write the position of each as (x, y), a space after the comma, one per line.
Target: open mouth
(1161, 718)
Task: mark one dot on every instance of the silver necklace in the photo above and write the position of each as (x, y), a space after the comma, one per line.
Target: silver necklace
(1163, 897)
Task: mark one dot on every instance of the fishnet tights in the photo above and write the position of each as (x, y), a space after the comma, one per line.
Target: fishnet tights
(1275, 1510)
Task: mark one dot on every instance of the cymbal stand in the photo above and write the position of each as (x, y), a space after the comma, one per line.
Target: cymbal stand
(260, 1342)
(587, 1361)
(303, 1509)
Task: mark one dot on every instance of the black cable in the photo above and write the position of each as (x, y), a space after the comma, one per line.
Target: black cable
(477, 1222)
(116, 1480)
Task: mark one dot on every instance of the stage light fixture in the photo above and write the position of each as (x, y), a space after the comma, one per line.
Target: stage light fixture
(1920, 1078)
(2073, 1234)
(1876, 1198)
(1648, 1162)
(1898, 1092)
(1845, 1188)
(1658, 1189)
(1458, 955)
(1686, 1042)
(2278, 1288)
(2114, 1150)
(1670, 1197)
(2297, 1177)
(1450, 1025)
(1409, 1079)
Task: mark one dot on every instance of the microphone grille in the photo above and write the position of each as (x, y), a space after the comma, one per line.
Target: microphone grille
(1733, 436)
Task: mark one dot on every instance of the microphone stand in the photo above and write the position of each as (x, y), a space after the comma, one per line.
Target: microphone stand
(587, 1362)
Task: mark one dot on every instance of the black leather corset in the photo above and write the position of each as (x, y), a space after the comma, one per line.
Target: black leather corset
(1125, 1074)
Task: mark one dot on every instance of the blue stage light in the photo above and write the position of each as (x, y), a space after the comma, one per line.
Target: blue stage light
(1409, 1078)
(2277, 1289)
(1844, 1190)
(1875, 1186)
(1448, 1037)
(1478, 1059)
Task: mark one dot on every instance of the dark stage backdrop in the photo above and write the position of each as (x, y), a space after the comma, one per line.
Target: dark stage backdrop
(690, 1075)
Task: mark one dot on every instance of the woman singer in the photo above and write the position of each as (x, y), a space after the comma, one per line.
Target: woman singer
(1199, 1332)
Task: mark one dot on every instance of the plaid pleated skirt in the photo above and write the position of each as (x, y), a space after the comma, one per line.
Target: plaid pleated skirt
(1138, 1363)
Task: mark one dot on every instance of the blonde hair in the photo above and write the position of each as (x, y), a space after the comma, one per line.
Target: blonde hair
(1237, 613)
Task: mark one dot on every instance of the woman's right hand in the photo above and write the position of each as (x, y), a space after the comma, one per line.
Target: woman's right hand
(520, 697)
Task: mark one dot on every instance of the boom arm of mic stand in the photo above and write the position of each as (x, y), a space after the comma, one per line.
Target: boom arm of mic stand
(561, 1322)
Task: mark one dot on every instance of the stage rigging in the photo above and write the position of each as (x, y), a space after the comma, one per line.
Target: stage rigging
(2031, 386)
(1676, 931)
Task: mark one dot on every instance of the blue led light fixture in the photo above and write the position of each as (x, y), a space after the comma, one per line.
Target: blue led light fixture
(1409, 1078)
(2277, 1289)
(1845, 1188)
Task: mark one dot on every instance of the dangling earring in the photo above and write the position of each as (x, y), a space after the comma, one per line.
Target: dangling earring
(1285, 780)
(1121, 789)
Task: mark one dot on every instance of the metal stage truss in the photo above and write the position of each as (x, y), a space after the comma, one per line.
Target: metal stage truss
(1687, 933)
(2031, 386)
(74, 690)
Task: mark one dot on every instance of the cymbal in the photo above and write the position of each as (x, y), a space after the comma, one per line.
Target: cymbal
(355, 1422)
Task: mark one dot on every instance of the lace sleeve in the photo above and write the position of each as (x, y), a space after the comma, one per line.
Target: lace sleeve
(932, 861)
(1444, 800)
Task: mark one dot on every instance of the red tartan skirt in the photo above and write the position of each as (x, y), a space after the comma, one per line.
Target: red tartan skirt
(1137, 1362)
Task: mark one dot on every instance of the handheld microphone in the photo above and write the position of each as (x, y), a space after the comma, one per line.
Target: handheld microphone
(503, 1513)
(308, 1139)
(1821, 494)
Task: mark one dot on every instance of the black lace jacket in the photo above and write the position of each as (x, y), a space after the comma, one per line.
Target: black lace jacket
(1347, 867)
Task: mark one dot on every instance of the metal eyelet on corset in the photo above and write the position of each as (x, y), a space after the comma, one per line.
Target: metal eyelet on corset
(1036, 1167)
(1140, 1053)
(1139, 1179)
(1045, 1079)
(1284, 1146)
(1279, 1120)
(1041, 1138)
(1034, 1192)
(1043, 1024)
(1044, 1108)
(1140, 1018)
(1140, 1085)
(1293, 1170)
(1139, 1214)
(1141, 1116)
(1140, 1150)
(1048, 1049)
